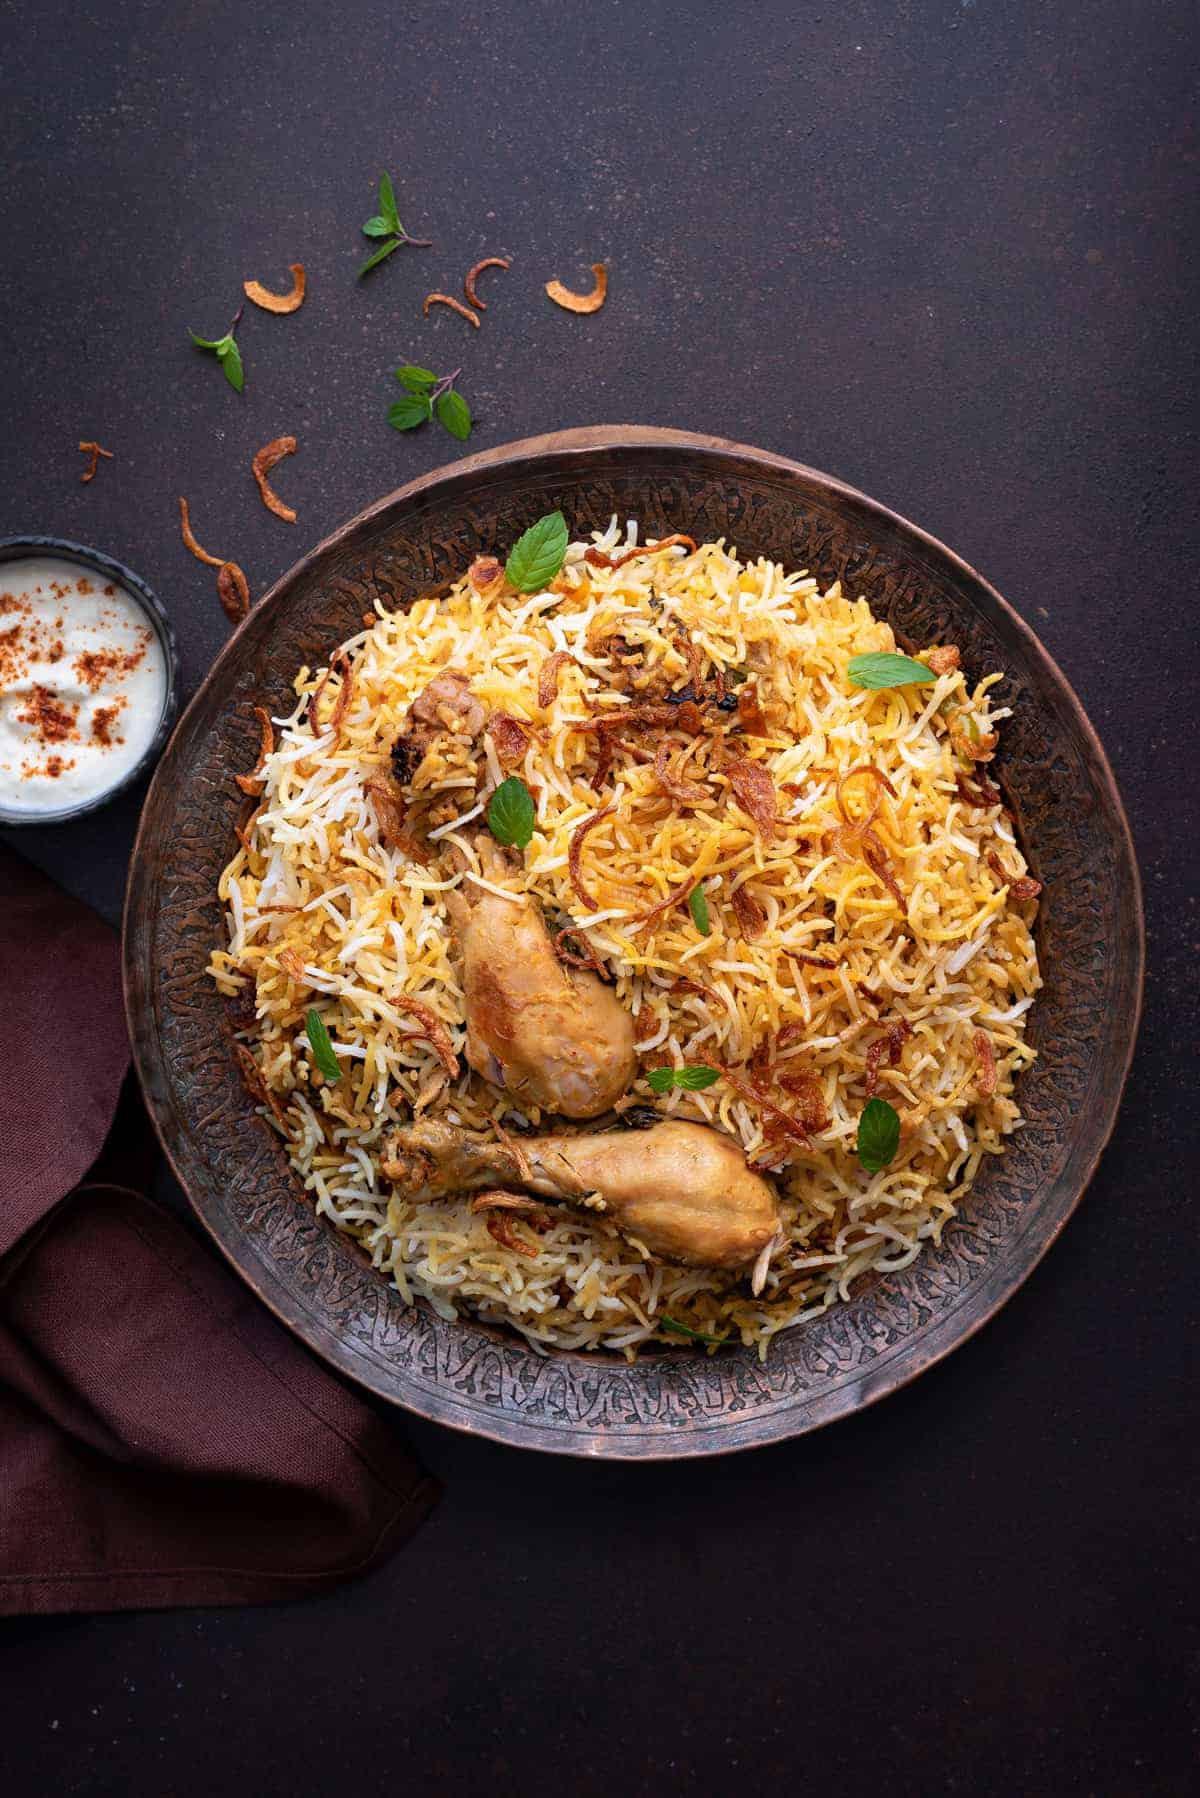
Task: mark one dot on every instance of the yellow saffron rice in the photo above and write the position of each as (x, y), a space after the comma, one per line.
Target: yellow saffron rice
(320, 911)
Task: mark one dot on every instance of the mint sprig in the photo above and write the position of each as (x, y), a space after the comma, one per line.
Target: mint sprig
(226, 351)
(322, 1048)
(386, 224)
(427, 396)
(510, 813)
(883, 669)
(878, 1135)
(538, 554)
(688, 1080)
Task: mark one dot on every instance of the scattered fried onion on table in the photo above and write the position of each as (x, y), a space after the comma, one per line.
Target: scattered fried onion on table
(185, 527)
(447, 299)
(278, 302)
(94, 452)
(581, 302)
(473, 274)
(233, 591)
(261, 466)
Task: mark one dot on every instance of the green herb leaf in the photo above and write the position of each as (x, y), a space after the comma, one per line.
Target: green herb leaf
(231, 362)
(417, 380)
(537, 555)
(207, 343)
(454, 413)
(378, 227)
(698, 906)
(378, 257)
(878, 1134)
(882, 669)
(322, 1048)
(510, 812)
(387, 204)
(678, 1329)
(409, 412)
(688, 1080)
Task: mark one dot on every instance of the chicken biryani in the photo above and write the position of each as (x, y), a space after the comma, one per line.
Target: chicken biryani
(630, 945)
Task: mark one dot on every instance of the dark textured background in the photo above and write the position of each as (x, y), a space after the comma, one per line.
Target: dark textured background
(948, 251)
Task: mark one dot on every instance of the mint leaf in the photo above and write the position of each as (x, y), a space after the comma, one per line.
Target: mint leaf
(883, 669)
(678, 1329)
(537, 555)
(322, 1048)
(454, 413)
(416, 379)
(378, 257)
(688, 1080)
(387, 204)
(231, 361)
(409, 412)
(378, 227)
(698, 906)
(878, 1134)
(510, 813)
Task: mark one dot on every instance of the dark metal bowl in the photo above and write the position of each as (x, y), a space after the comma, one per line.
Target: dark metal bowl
(12, 549)
(485, 1380)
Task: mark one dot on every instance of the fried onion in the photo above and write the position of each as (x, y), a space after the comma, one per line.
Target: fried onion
(982, 1045)
(262, 296)
(446, 299)
(680, 791)
(473, 274)
(581, 302)
(432, 1029)
(749, 913)
(547, 689)
(510, 737)
(185, 528)
(599, 559)
(576, 850)
(754, 791)
(233, 590)
(263, 463)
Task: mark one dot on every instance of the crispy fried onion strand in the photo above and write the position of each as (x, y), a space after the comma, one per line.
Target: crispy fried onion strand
(262, 296)
(263, 463)
(93, 451)
(510, 737)
(858, 837)
(679, 791)
(255, 1085)
(576, 850)
(749, 913)
(599, 559)
(250, 783)
(987, 1063)
(432, 1029)
(473, 274)
(446, 299)
(581, 302)
(782, 1122)
(586, 956)
(673, 898)
(1019, 887)
(498, 1205)
(547, 689)
(754, 791)
(233, 591)
(185, 529)
(890, 1044)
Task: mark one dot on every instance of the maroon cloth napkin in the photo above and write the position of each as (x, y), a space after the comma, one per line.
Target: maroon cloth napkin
(162, 1440)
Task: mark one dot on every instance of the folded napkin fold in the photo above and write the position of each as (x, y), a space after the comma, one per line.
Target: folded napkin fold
(163, 1441)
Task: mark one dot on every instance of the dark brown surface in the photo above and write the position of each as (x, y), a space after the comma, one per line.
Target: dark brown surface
(486, 1381)
(948, 252)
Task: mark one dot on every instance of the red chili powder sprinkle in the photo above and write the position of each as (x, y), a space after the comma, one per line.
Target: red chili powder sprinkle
(103, 719)
(51, 719)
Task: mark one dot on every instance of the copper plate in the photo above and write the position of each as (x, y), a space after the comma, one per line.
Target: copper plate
(676, 1403)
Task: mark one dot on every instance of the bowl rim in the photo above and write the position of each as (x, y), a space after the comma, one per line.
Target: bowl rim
(572, 445)
(27, 544)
